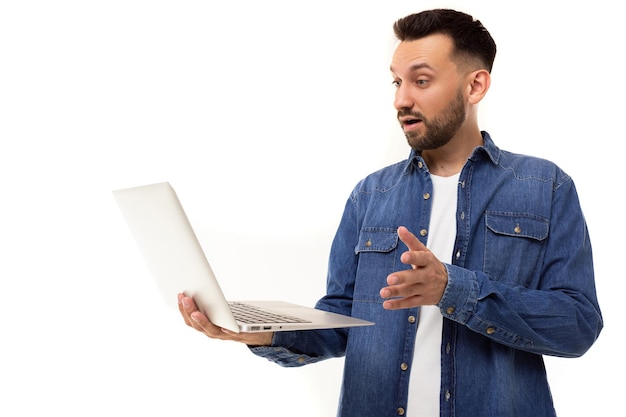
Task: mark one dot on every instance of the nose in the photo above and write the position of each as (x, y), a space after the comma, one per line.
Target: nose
(403, 99)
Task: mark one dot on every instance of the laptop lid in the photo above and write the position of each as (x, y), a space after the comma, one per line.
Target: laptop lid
(175, 259)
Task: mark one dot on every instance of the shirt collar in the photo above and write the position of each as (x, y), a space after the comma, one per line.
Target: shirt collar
(489, 149)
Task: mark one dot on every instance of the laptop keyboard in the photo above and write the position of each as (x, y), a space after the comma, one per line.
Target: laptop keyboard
(249, 314)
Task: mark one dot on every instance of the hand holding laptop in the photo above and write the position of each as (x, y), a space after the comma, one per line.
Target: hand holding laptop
(195, 319)
(177, 262)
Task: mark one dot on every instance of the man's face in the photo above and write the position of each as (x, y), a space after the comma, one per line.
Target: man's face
(430, 103)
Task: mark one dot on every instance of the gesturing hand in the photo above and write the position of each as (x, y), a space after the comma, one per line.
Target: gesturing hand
(424, 284)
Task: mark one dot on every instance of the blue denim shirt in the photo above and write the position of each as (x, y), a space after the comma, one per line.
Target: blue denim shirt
(521, 285)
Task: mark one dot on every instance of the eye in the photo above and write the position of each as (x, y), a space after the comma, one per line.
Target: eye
(396, 83)
(421, 82)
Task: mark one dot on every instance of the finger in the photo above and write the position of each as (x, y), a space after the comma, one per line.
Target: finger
(400, 284)
(410, 240)
(201, 323)
(182, 309)
(404, 291)
(197, 320)
(401, 303)
(204, 325)
(193, 317)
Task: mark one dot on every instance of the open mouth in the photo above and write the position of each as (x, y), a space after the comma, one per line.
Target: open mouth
(408, 123)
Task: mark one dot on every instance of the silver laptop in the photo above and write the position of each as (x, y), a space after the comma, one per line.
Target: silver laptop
(175, 259)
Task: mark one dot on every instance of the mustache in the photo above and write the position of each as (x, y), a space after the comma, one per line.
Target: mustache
(408, 112)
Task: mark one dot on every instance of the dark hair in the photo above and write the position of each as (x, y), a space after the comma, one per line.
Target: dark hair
(470, 37)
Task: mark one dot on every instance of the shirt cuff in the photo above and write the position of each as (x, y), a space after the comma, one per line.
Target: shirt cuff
(279, 352)
(460, 296)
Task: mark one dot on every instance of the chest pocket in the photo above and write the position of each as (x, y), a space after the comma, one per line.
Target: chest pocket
(510, 224)
(377, 250)
(377, 239)
(514, 245)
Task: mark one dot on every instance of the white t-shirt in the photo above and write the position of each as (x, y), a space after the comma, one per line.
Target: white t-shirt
(425, 379)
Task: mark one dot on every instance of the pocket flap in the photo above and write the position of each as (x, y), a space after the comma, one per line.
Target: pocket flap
(377, 239)
(514, 224)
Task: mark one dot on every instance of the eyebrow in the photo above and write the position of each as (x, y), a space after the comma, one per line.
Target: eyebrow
(415, 67)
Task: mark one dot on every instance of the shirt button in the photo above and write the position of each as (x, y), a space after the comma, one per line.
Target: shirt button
(490, 330)
(426, 196)
(447, 347)
(400, 411)
(368, 243)
(411, 319)
(462, 215)
(448, 395)
(517, 229)
(404, 366)
(458, 254)
(301, 359)
(423, 232)
(450, 310)
(420, 164)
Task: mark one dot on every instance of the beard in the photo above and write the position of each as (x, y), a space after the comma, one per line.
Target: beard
(439, 130)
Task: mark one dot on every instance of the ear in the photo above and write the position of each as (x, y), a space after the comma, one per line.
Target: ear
(479, 82)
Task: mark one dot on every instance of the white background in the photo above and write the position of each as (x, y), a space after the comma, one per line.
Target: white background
(263, 115)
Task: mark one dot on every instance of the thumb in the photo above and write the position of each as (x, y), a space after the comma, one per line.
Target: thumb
(410, 240)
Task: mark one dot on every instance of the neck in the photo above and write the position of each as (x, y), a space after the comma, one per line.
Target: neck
(449, 159)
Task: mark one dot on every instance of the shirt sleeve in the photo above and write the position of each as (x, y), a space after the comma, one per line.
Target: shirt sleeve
(560, 316)
(303, 347)
(298, 348)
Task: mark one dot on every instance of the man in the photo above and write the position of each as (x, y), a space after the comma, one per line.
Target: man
(497, 273)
